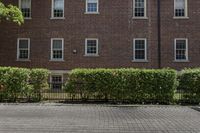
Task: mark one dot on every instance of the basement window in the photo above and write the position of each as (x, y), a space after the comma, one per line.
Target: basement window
(56, 82)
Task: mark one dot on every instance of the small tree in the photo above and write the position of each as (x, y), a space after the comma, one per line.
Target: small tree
(11, 13)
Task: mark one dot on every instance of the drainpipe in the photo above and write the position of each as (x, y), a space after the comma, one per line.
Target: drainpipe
(159, 34)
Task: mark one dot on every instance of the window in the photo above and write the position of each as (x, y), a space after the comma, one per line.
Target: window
(140, 52)
(91, 47)
(139, 8)
(180, 8)
(181, 49)
(25, 6)
(92, 6)
(57, 49)
(23, 48)
(57, 8)
(56, 82)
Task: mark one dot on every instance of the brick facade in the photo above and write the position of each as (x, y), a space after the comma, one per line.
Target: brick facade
(115, 29)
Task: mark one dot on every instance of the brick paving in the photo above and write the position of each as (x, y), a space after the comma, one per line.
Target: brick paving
(36, 118)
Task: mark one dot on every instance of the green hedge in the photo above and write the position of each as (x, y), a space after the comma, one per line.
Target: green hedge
(189, 82)
(21, 83)
(132, 85)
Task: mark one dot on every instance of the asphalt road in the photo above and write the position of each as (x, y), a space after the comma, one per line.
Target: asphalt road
(42, 118)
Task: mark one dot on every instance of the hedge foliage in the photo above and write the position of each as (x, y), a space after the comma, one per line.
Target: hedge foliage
(189, 82)
(21, 83)
(133, 85)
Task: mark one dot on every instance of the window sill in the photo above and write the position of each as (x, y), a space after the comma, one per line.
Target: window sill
(92, 13)
(23, 60)
(56, 60)
(140, 18)
(180, 17)
(140, 61)
(88, 55)
(27, 18)
(54, 18)
(181, 61)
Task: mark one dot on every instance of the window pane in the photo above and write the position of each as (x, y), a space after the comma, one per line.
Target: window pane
(91, 47)
(23, 54)
(57, 44)
(23, 44)
(58, 8)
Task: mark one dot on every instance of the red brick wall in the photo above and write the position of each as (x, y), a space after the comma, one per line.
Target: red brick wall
(114, 27)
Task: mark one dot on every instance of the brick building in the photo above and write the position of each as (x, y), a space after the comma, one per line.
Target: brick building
(64, 34)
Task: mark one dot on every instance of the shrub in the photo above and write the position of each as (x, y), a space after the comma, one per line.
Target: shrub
(189, 82)
(22, 83)
(133, 85)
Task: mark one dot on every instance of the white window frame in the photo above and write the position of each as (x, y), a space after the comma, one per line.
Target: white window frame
(145, 11)
(187, 58)
(56, 74)
(52, 10)
(86, 8)
(18, 53)
(186, 11)
(97, 46)
(19, 2)
(140, 60)
(53, 59)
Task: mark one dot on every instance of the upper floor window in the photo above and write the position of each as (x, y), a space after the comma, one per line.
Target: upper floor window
(25, 6)
(57, 8)
(181, 49)
(91, 47)
(139, 8)
(140, 49)
(180, 8)
(23, 48)
(92, 6)
(57, 49)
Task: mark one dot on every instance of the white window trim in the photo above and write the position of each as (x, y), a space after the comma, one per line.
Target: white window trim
(53, 59)
(145, 11)
(19, 59)
(86, 8)
(52, 11)
(187, 59)
(19, 2)
(140, 60)
(97, 53)
(186, 11)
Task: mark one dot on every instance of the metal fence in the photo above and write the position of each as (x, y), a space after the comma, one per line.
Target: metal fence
(56, 92)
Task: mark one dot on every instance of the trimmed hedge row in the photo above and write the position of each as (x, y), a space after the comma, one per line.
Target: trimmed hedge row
(133, 85)
(189, 82)
(22, 83)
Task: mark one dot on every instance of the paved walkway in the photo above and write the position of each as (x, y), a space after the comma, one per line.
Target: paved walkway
(31, 118)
